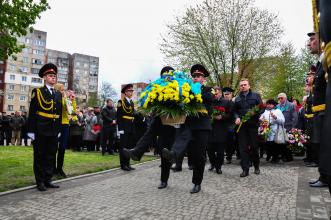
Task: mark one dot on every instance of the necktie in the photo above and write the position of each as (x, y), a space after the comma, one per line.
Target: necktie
(52, 91)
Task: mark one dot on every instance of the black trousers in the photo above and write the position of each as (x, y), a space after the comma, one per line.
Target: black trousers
(107, 139)
(216, 154)
(44, 153)
(230, 146)
(248, 147)
(126, 141)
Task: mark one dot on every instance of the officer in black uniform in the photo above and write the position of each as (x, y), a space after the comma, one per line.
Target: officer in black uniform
(218, 136)
(324, 8)
(318, 105)
(125, 122)
(247, 134)
(195, 131)
(166, 135)
(44, 126)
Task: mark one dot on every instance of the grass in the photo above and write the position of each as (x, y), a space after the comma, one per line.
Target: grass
(16, 165)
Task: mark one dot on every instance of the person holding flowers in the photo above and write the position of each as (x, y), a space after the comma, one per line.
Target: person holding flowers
(194, 133)
(272, 118)
(221, 120)
(247, 106)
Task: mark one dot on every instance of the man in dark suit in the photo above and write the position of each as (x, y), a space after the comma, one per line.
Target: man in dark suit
(44, 126)
(220, 126)
(194, 133)
(125, 118)
(247, 134)
(108, 116)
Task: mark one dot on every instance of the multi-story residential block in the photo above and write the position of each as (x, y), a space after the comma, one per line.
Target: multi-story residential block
(20, 75)
(85, 72)
(62, 61)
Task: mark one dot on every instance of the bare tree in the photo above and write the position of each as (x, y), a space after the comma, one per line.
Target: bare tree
(107, 91)
(224, 35)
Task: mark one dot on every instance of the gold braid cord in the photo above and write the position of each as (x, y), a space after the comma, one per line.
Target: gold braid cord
(315, 16)
(127, 110)
(42, 101)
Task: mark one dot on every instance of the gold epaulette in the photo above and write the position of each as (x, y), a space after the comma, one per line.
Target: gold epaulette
(318, 108)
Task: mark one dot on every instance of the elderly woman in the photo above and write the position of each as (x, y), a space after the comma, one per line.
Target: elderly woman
(68, 104)
(275, 118)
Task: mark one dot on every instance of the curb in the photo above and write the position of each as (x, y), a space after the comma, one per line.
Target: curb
(72, 178)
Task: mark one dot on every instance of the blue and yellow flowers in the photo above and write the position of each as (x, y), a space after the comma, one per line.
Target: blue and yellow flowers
(173, 94)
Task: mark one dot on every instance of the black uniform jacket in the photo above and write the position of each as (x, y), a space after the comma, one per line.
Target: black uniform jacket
(203, 121)
(125, 115)
(220, 127)
(45, 112)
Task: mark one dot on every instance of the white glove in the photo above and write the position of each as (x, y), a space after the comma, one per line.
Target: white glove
(121, 132)
(59, 135)
(31, 136)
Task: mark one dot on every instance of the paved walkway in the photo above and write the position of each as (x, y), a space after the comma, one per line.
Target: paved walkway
(280, 192)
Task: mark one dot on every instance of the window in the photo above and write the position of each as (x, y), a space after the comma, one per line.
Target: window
(39, 42)
(35, 71)
(37, 61)
(24, 69)
(23, 88)
(77, 63)
(22, 108)
(85, 65)
(25, 59)
(27, 40)
(24, 78)
(22, 98)
(25, 50)
(12, 67)
(10, 97)
(11, 87)
(39, 52)
(10, 108)
(12, 77)
(36, 80)
(77, 71)
(1, 71)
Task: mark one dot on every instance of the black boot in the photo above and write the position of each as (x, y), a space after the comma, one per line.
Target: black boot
(162, 185)
(195, 189)
(244, 173)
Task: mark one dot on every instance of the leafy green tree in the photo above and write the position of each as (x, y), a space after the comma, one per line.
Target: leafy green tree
(16, 19)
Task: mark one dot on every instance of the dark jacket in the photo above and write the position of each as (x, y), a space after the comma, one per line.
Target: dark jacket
(108, 115)
(203, 121)
(40, 119)
(220, 127)
(125, 116)
(244, 103)
(16, 122)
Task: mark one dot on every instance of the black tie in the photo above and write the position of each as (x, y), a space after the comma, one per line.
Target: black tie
(52, 91)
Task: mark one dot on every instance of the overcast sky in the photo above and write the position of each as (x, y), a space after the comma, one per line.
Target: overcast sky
(125, 34)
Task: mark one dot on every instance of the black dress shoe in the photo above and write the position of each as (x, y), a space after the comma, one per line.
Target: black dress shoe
(244, 173)
(312, 164)
(219, 171)
(195, 189)
(319, 184)
(211, 168)
(51, 185)
(257, 171)
(41, 187)
(131, 168)
(162, 185)
(313, 181)
(169, 155)
(62, 173)
(126, 168)
(176, 169)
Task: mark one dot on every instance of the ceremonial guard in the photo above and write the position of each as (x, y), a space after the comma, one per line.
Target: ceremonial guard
(318, 105)
(125, 122)
(222, 119)
(195, 132)
(322, 12)
(166, 136)
(44, 126)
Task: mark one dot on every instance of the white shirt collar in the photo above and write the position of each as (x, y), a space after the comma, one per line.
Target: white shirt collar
(321, 57)
(49, 88)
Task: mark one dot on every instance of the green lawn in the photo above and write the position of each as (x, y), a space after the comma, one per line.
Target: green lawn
(16, 165)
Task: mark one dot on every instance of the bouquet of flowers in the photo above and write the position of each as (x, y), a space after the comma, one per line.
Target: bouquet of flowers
(264, 130)
(172, 96)
(296, 139)
(250, 113)
(219, 110)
